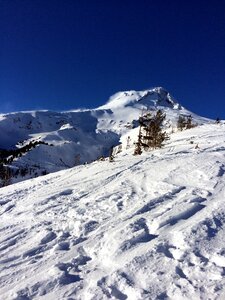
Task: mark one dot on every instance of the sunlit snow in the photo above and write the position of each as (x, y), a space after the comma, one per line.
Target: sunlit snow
(146, 227)
(140, 227)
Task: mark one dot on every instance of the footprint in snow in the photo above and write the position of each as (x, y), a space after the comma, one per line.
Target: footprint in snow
(139, 234)
(69, 270)
(8, 208)
(90, 226)
(166, 249)
(66, 192)
(62, 246)
(3, 202)
(120, 205)
(48, 238)
(54, 197)
(185, 215)
(33, 251)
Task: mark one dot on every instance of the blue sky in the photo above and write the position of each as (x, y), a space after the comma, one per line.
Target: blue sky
(66, 54)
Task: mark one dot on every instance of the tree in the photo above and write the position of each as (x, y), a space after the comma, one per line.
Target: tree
(137, 150)
(217, 120)
(181, 123)
(111, 156)
(154, 135)
(5, 175)
(185, 122)
(151, 134)
(189, 123)
(77, 159)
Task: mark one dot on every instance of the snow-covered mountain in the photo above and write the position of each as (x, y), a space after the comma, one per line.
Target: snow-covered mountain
(59, 140)
(141, 227)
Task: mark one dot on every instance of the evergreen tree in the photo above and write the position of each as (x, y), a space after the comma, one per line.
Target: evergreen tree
(137, 150)
(111, 156)
(5, 175)
(151, 134)
(185, 122)
(181, 123)
(189, 123)
(154, 135)
(217, 120)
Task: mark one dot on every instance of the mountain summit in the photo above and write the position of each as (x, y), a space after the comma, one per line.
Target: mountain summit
(155, 97)
(46, 141)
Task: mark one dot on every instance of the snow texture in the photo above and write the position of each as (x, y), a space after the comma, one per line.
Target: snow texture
(141, 227)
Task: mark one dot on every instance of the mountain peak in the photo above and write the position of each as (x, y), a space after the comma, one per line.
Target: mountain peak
(157, 96)
(78, 137)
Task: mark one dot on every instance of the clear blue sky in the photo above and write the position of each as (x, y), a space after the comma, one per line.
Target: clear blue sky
(64, 54)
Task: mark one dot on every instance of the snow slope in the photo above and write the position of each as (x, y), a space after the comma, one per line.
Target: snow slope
(144, 227)
(81, 136)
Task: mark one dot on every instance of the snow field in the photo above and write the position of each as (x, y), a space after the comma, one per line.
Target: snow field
(144, 227)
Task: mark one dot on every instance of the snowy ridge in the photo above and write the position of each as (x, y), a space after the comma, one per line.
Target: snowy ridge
(154, 97)
(146, 227)
(82, 136)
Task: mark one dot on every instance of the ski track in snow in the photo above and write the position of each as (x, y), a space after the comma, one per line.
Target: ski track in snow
(148, 227)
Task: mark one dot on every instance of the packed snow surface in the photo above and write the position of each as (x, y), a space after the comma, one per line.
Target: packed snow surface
(142, 227)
